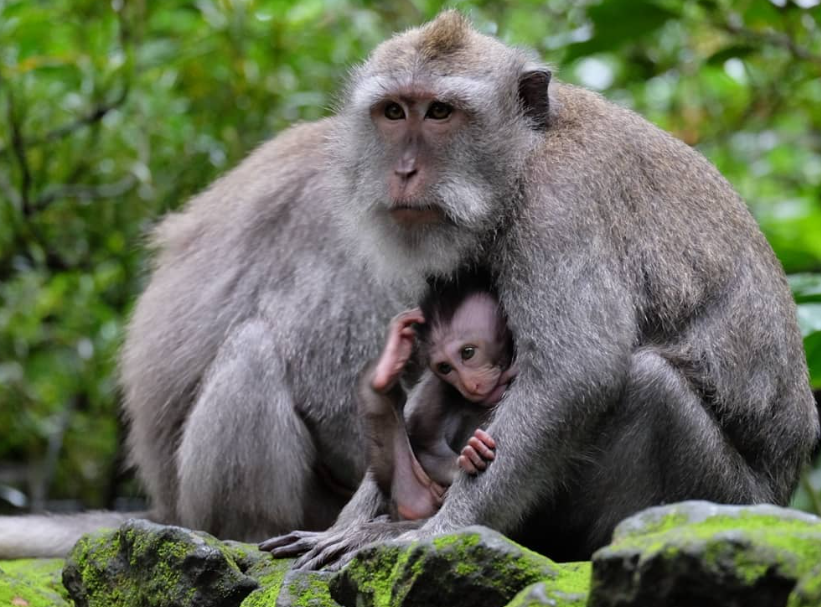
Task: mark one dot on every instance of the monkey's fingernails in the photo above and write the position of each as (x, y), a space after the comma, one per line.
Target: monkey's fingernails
(480, 447)
(485, 438)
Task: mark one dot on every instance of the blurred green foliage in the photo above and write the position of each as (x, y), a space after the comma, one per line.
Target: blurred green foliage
(113, 113)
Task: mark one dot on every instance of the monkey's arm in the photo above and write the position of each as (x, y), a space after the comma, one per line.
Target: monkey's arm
(362, 520)
(574, 322)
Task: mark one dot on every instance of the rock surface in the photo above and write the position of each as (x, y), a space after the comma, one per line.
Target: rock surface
(476, 566)
(147, 564)
(692, 554)
(703, 555)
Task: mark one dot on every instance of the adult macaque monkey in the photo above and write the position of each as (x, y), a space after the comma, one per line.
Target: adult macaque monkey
(658, 353)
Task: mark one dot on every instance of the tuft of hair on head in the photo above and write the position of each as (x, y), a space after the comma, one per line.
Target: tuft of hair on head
(444, 296)
(445, 35)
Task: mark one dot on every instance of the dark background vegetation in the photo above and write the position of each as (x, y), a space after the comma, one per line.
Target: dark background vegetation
(113, 113)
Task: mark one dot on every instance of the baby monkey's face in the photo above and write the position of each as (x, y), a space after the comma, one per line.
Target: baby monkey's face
(472, 351)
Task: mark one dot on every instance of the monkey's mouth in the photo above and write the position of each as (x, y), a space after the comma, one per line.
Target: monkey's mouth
(495, 395)
(413, 216)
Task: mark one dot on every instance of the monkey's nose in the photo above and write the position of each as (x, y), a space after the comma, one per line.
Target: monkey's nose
(405, 168)
(405, 174)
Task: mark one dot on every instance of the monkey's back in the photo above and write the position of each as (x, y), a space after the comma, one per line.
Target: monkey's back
(257, 246)
(706, 288)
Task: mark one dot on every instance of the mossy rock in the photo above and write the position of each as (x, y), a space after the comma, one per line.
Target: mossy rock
(703, 555)
(267, 571)
(306, 589)
(807, 592)
(476, 566)
(32, 583)
(146, 564)
(569, 589)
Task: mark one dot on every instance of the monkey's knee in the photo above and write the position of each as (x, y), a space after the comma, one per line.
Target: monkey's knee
(652, 378)
(244, 440)
(680, 428)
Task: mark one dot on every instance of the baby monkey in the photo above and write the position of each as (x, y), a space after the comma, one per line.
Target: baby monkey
(462, 364)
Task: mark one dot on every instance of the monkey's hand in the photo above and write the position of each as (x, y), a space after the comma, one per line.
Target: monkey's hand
(334, 548)
(509, 374)
(478, 453)
(397, 351)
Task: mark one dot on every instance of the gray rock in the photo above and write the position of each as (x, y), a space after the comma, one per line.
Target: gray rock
(476, 566)
(545, 593)
(146, 564)
(703, 555)
(306, 590)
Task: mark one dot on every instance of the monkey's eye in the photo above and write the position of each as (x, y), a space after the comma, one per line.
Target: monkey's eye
(394, 111)
(468, 352)
(439, 110)
(444, 368)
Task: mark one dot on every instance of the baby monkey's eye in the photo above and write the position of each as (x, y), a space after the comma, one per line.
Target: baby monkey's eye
(439, 110)
(444, 368)
(468, 352)
(394, 111)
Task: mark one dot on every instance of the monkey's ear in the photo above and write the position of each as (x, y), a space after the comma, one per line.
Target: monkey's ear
(533, 85)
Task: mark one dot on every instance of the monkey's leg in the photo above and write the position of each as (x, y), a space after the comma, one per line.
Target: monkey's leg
(244, 439)
(394, 466)
(413, 492)
(660, 443)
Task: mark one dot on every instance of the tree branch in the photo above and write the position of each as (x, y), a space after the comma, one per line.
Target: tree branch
(85, 192)
(96, 114)
(772, 38)
(18, 149)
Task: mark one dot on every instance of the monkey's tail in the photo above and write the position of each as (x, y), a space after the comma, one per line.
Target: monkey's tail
(53, 535)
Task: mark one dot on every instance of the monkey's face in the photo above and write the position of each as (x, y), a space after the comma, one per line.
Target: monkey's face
(469, 352)
(416, 131)
(420, 192)
(430, 145)
(471, 369)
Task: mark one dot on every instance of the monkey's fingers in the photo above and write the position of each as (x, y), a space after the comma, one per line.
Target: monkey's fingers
(485, 439)
(409, 317)
(316, 560)
(292, 544)
(466, 463)
(479, 455)
(324, 553)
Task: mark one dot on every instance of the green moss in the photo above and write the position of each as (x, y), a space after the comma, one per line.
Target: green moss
(793, 535)
(463, 541)
(573, 577)
(270, 573)
(37, 582)
(474, 560)
(569, 588)
(382, 573)
(664, 523)
(807, 593)
(314, 594)
(745, 547)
